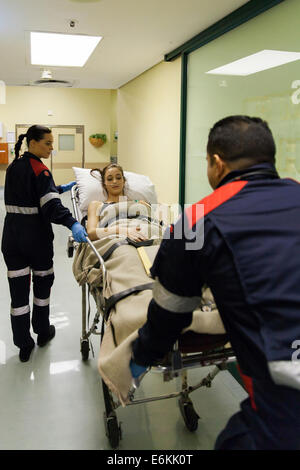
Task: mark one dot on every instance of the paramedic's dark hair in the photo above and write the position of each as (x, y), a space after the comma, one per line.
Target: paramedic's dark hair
(34, 133)
(103, 172)
(242, 141)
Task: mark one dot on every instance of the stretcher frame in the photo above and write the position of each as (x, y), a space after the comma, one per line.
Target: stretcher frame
(177, 363)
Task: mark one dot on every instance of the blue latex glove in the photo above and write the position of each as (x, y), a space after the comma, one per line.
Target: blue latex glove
(67, 187)
(79, 232)
(136, 370)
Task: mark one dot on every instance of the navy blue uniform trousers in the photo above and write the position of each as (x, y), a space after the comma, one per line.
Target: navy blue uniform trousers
(268, 420)
(25, 256)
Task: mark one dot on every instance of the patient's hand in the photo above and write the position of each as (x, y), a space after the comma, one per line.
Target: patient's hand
(134, 234)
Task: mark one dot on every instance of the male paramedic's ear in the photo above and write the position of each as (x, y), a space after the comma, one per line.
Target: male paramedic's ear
(216, 169)
(67, 187)
(136, 370)
(79, 232)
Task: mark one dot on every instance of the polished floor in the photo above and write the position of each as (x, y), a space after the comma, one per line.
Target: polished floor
(55, 400)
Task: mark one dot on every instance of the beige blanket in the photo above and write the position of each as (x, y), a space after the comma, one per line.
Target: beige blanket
(125, 270)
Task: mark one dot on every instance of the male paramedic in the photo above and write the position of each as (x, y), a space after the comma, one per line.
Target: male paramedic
(250, 259)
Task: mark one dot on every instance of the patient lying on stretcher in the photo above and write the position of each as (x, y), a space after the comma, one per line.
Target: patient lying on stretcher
(111, 225)
(136, 228)
(116, 227)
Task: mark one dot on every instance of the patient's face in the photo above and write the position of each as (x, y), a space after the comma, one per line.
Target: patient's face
(114, 182)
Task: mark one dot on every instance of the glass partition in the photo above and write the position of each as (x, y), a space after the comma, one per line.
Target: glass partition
(272, 94)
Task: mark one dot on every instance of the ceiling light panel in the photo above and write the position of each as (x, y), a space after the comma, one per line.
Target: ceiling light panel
(65, 50)
(258, 62)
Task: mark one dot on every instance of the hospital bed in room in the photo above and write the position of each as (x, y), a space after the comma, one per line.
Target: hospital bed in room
(99, 263)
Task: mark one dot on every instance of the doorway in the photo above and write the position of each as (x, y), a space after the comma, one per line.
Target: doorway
(68, 150)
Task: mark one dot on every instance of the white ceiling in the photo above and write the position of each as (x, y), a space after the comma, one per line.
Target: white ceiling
(136, 35)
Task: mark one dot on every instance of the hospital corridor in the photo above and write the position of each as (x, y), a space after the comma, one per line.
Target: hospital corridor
(54, 401)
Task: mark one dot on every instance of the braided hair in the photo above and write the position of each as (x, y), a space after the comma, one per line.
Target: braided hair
(35, 132)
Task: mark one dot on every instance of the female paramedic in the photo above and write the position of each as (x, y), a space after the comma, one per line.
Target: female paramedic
(32, 202)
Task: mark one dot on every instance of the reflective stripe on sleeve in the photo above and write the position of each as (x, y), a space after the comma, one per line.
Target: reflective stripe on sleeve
(43, 273)
(285, 373)
(48, 197)
(172, 302)
(18, 272)
(41, 302)
(20, 310)
(22, 210)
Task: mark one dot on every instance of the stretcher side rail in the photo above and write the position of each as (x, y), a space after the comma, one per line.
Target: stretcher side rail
(199, 359)
(186, 390)
(99, 299)
(75, 199)
(218, 359)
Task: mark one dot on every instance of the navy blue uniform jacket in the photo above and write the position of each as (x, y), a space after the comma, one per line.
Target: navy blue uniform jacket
(251, 261)
(32, 202)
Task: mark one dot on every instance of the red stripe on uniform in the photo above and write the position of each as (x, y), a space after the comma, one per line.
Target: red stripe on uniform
(211, 202)
(248, 383)
(37, 166)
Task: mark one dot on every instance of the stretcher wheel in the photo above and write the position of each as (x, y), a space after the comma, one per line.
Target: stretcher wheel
(113, 430)
(188, 413)
(84, 349)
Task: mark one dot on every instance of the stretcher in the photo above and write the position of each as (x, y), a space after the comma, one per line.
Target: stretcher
(192, 350)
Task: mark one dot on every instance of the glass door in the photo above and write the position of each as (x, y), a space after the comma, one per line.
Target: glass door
(269, 90)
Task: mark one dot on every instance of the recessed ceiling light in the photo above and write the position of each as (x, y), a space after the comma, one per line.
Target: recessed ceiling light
(258, 62)
(66, 50)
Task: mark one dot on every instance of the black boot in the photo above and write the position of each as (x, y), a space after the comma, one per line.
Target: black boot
(43, 339)
(25, 353)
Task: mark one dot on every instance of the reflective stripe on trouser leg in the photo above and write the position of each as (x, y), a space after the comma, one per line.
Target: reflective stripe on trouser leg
(19, 286)
(42, 282)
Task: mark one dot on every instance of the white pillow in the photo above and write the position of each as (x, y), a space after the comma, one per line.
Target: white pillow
(90, 188)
